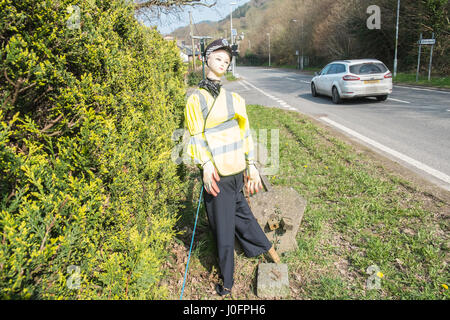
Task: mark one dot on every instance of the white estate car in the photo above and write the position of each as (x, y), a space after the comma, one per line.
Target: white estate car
(353, 78)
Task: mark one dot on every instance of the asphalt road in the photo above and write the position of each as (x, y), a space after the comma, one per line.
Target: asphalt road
(412, 127)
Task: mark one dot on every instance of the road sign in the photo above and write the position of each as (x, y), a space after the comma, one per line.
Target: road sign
(421, 42)
(234, 32)
(427, 41)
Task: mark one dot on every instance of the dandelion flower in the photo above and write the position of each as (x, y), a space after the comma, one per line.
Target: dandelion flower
(380, 274)
(445, 286)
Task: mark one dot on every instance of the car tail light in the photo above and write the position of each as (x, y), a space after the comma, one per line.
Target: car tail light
(350, 78)
(388, 75)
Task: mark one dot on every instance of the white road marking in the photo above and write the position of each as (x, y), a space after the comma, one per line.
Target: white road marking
(308, 82)
(411, 161)
(251, 85)
(282, 103)
(244, 85)
(398, 100)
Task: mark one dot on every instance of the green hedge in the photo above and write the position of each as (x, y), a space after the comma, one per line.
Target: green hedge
(194, 77)
(88, 190)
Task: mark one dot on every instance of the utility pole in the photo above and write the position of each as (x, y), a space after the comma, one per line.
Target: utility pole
(192, 41)
(418, 57)
(301, 44)
(233, 60)
(431, 58)
(396, 39)
(269, 47)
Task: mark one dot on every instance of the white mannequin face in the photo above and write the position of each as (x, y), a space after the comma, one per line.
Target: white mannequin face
(218, 62)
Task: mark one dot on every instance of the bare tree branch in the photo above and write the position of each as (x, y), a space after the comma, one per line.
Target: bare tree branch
(52, 123)
(152, 10)
(173, 3)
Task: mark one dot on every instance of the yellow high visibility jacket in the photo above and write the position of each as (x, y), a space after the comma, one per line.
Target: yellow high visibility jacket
(219, 131)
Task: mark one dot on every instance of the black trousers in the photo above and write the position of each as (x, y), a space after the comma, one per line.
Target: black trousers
(230, 216)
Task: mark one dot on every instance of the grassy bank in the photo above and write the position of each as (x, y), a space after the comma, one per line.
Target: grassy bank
(435, 81)
(358, 215)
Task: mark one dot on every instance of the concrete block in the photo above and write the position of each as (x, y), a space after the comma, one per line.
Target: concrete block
(279, 213)
(272, 281)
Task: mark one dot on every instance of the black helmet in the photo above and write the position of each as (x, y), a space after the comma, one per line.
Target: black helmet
(216, 45)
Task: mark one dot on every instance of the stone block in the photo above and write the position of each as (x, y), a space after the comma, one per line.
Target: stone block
(272, 281)
(279, 212)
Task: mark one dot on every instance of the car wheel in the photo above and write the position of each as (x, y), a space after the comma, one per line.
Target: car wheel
(335, 96)
(382, 98)
(313, 90)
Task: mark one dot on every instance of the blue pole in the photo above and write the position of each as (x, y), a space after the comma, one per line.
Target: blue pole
(192, 241)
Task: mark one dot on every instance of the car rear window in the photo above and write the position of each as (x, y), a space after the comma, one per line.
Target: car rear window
(368, 68)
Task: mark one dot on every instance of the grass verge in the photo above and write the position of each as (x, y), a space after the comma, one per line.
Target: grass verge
(358, 215)
(229, 76)
(409, 78)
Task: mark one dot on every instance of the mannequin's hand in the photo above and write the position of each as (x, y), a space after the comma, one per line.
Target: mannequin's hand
(210, 177)
(253, 179)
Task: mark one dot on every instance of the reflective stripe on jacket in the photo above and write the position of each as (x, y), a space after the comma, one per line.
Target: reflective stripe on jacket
(219, 130)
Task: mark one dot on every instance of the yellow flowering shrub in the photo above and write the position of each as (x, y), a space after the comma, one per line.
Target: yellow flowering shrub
(89, 195)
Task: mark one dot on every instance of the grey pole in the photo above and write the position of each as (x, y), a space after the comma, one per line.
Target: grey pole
(303, 44)
(431, 58)
(418, 58)
(300, 59)
(192, 43)
(396, 39)
(269, 47)
(233, 64)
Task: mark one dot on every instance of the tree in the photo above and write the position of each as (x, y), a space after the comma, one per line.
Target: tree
(152, 9)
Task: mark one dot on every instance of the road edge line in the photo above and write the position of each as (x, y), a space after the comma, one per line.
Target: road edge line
(419, 165)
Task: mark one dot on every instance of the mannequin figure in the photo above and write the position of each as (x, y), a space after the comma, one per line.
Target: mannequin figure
(222, 147)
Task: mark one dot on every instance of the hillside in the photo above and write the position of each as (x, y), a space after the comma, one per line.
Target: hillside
(336, 29)
(221, 28)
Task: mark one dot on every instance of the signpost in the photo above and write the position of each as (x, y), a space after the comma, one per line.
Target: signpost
(425, 42)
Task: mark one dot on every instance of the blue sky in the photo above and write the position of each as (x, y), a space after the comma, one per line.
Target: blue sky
(168, 23)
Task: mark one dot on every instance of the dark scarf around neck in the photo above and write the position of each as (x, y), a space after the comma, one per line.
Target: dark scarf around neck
(213, 87)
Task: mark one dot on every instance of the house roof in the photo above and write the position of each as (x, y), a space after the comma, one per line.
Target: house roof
(188, 50)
